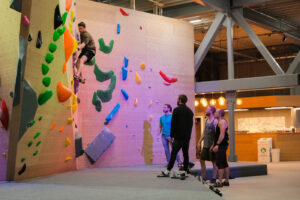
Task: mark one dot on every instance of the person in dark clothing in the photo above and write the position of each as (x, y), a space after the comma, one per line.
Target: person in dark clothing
(181, 130)
(220, 147)
(88, 50)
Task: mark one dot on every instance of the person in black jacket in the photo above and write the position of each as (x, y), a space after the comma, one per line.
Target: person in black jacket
(181, 130)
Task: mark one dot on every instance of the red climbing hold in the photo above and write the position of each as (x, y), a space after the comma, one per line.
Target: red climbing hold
(167, 84)
(123, 12)
(166, 78)
(141, 28)
(4, 116)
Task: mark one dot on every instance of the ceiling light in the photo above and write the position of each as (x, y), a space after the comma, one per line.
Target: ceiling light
(239, 101)
(203, 102)
(221, 101)
(196, 103)
(195, 21)
(212, 102)
(278, 108)
(241, 110)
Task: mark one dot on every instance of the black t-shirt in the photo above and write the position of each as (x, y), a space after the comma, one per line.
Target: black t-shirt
(225, 139)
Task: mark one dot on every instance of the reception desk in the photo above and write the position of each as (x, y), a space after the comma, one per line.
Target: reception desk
(288, 143)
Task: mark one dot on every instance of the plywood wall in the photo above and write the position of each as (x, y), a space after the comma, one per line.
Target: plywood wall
(161, 44)
(9, 40)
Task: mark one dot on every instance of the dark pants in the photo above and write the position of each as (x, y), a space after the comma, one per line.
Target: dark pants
(176, 146)
(221, 158)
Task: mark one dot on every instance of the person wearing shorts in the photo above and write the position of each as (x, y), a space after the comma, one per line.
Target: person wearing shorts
(88, 50)
(220, 147)
(206, 154)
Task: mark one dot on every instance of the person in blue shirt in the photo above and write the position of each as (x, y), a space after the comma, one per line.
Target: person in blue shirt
(165, 130)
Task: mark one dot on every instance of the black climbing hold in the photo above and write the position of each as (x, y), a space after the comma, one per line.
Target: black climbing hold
(57, 18)
(22, 170)
(39, 40)
(11, 94)
(29, 38)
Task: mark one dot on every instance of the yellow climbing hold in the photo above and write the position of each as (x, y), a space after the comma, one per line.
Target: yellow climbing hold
(69, 106)
(68, 158)
(136, 103)
(70, 120)
(74, 108)
(138, 78)
(72, 83)
(72, 15)
(75, 45)
(4, 154)
(71, 27)
(143, 66)
(74, 99)
(67, 142)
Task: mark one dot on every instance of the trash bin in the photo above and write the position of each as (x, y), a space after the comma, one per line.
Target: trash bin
(264, 149)
(275, 155)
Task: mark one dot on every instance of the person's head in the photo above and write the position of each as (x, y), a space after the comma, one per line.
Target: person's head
(81, 27)
(220, 113)
(182, 99)
(210, 110)
(167, 108)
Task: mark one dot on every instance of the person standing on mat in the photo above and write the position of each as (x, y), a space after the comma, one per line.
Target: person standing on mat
(88, 50)
(181, 130)
(165, 130)
(220, 147)
(208, 136)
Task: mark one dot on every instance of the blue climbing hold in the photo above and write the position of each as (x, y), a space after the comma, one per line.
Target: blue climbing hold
(126, 61)
(126, 96)
(118, 29)
(124, 73)
(112, 113)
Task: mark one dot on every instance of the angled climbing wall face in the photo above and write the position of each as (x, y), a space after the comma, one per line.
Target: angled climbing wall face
(142, 62)
(9, 40)
(45, 134)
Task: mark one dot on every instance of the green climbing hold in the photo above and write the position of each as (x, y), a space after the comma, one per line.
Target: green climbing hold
(104, 48)
(38, 143)
(29, 144)
(45, 69)
(35, 153)
(52, 47)
(40, 118)
(64, 18)
(23, 159)
(46, 81)
(96, 102)
(56, 36)
(49, 58)
(61, 30)
(37, 135)
(44, 97)
(106, 95)
(102, 76)
(91, 62)
(31, 123)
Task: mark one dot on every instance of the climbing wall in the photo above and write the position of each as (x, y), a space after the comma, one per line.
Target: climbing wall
(142, 62)
(42, 141)
(9, 40)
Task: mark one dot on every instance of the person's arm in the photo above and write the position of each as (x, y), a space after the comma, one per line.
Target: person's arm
(222, 135)
(160, 127)
(173, 123)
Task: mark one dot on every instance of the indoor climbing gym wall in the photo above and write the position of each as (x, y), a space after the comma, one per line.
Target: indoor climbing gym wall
(42, 140)
(142, 62)
(9, 40)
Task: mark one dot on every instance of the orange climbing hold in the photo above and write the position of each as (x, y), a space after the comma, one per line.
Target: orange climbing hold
(65, 67)
(61, 129)
(53, 126)
(68, 158)
(68, 5)
(63, 93)
(68, 44)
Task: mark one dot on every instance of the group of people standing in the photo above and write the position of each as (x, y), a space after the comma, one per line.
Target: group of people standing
(176, 129)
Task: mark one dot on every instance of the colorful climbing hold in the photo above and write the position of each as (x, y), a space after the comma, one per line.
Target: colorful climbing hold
(46, 81)
(91, 62)
(141, 28)
(112, 113)
(166, 78)
(37, 135)
(105, 48)
(4, 118)
(45, 69)
(72, 15)
(62, 30)
(126, 61)
(23, 159)
(64, 68)
(49, 58)
(138, 78)
(30, 144)
(22, 170)
(56, 36)
(57, 17)
(143, 66)
(150, 104)
(74, 108)
(126, 96)
(53, 126)
(102, 76)
(75, 47)
(44, 97)
(70, 120)
(26, 20)
(136, 103)
(52, 47)
(35, 153)
(29, 38)
(106, 95)
(123, 12)
(167, 84)
(68, 5)
(118, 29)
(67, 142)
(96, 102)
(39, 40)
(68, 158)
(68, 44)
(64, 18)
(61, 129)
(40, 118)
(38, 143)
(124, 73)
(150, 117)
(63, 93)
(31, 123)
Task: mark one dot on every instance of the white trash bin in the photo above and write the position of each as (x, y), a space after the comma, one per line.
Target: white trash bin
(264, 149)
(275, 155)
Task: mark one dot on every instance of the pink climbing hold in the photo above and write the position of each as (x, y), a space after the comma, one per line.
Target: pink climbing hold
(26, 20)
(141, 28)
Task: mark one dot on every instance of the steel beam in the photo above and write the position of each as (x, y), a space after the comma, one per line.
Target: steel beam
(208, 39)
(230, 56)
(288, 80)
(240, 3)
(220, 5)
(185, 9)
(295, 64)
(257, 42)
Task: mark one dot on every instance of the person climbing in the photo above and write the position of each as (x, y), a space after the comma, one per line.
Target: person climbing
(208, 136)
(181, 130)
(165, 130)
(88, 50)
(220, 147)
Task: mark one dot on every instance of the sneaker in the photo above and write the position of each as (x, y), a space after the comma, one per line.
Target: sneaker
(82, 80)
(212, 181)
(218, 185)
(202, 180)
(225, 183)
(163, 174)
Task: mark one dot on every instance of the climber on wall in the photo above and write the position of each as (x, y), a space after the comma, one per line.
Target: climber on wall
(88, 50)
